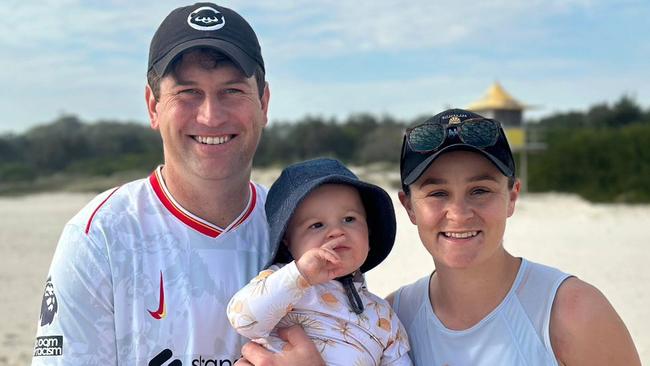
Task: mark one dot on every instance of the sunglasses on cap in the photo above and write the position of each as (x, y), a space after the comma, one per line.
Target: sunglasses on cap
(476, 132)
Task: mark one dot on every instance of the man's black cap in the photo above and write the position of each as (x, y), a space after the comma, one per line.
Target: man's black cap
(205, 25)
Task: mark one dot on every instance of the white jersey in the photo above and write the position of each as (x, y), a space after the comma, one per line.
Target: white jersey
(516, 332)
(138, 280)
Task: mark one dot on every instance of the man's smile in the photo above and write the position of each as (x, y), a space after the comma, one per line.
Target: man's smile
(212, 140)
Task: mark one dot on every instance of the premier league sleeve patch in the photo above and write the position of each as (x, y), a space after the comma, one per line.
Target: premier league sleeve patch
(49, 305)
(48, 345)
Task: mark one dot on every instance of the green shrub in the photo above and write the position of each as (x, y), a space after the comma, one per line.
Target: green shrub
(600, 164)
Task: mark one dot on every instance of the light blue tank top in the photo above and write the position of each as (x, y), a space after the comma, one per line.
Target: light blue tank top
(516, 332)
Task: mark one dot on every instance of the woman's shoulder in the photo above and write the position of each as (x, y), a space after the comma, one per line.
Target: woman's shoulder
(582, 318)
(409, 291)
(576, 306)
(542, 269)
(409, 299)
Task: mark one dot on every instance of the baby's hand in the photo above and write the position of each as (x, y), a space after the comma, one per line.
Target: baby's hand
(319, 265)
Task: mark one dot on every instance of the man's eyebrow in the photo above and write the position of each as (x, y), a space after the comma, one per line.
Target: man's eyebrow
(182, 82)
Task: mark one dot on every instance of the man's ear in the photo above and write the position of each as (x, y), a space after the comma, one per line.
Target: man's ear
(264, 100)
(405, 199)
(152, 103)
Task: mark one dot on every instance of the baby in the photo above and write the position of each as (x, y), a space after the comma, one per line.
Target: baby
(329, 228)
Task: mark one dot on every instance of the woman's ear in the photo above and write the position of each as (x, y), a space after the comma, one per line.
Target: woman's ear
(405, 199)
(513, 196)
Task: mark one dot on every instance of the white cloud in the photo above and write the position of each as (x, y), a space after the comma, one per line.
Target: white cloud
(347, 27)
(89, 57)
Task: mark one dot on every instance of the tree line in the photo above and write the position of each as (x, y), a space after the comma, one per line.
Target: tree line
(603, 153)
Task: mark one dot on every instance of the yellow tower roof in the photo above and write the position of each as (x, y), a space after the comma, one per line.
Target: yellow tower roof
(496, 98)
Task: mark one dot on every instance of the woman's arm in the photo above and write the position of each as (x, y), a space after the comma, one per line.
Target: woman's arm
(586, 330)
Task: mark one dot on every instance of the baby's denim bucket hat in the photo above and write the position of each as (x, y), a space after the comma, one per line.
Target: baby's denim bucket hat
(298, 180)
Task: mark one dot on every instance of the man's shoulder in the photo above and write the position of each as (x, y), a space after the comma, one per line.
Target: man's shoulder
(114, 201)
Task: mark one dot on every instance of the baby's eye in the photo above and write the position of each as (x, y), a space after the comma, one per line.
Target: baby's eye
(316, 225)
(349, 219)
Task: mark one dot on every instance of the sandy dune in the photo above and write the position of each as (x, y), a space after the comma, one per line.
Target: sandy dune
(605, 245)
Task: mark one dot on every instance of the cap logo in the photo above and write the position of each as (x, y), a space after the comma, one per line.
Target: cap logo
(206, 18)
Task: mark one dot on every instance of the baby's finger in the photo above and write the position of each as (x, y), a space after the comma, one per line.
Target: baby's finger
(330, 255)
(334, 242)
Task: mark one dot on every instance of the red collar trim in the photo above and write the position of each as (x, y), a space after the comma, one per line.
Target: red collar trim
(202, 226)
(249, 210)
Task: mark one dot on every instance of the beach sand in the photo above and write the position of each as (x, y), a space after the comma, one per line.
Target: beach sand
(605, 245)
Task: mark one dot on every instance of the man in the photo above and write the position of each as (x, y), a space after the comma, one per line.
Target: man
(143, 273)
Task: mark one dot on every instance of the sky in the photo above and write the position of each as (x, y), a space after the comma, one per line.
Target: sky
(335, 58)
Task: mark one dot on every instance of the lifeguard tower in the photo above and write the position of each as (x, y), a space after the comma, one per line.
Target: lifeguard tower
(499, 105)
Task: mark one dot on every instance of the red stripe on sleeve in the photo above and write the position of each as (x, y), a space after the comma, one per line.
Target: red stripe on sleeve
(90, 220)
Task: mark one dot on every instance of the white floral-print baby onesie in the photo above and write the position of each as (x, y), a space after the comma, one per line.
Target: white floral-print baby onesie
(280, 296)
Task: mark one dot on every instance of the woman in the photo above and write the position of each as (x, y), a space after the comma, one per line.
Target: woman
(482, 305)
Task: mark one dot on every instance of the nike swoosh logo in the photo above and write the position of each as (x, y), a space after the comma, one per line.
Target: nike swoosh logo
(161, 312)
